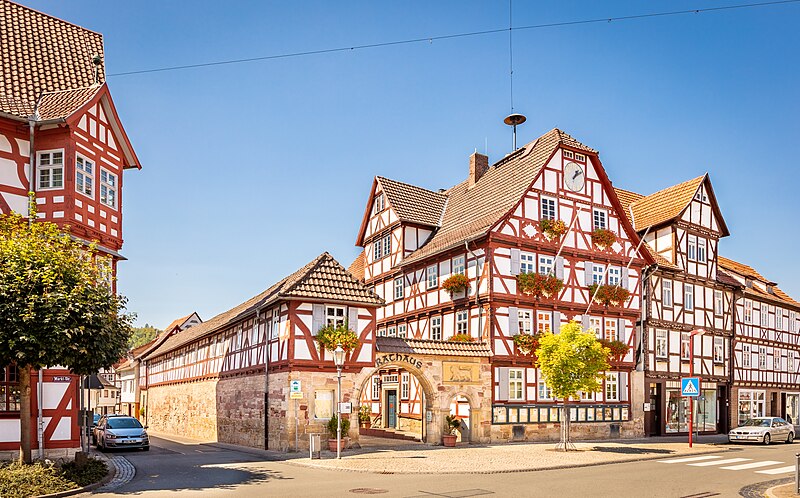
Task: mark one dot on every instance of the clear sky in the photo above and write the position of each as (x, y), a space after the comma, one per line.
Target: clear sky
(252, 170)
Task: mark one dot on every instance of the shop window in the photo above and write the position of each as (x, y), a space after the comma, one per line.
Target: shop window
(751, 404)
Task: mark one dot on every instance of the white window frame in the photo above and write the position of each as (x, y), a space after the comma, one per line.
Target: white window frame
(380, 203)
(391, 331)
(662, 345)
(84, 177)
(747, 356)
(405, 386)
(516, 384)
(399, 288)
(436, 328)
(614, 275)
(792, 321)
(718, 302)
(748, 311)
(549, 208)
(598, 274)
(686, 346)
(790, 361)
(107, 187)
(779, 319)
(596, 324)
(527, 262)
(666, 293)
(376, 388)
(611, 333)
(432, 275)
(275, 323)
(701, 250)
(50, 168)
(332, 316)
(612, 386)
(762, 357)
(599, 219)
(458, 265)
(764, 315)
(387, 245)
(688, 297)
(462, 322)
(402, 330)
(719, 349)
(524, 321)
(544, 321)
(546, 264)
(543, 391)
(691, 249)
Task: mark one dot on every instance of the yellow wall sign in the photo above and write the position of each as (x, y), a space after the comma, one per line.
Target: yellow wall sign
(460, 373)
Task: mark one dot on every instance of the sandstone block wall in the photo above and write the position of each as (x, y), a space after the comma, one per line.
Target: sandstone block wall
(188, 409)
(240, 410)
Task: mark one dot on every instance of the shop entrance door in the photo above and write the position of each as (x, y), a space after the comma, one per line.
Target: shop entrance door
(654, 415)
(391, 409)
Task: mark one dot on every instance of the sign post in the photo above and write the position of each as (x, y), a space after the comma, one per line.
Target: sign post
(295, 393)
(690, 387)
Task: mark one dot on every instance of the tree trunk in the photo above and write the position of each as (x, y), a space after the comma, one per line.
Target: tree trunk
(25, 413)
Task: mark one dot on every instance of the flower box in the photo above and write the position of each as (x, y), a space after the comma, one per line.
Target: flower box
(527, 343)
(618, 349)
(329, 336)
(461, 338)
(603, 238)
(456, 283)
(538, 285)
(552, 229)
(614, 295)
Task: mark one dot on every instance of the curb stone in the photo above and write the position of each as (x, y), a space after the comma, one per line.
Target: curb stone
(111, 474)
(125, 471)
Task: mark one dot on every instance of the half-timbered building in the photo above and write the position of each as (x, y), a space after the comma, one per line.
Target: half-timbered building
(489, 228)
(62, 139)
(685, 293)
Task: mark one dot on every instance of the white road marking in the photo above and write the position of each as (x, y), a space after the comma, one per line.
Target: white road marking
(720, 462)
(753, 465)
(689, 459)
(779, 470)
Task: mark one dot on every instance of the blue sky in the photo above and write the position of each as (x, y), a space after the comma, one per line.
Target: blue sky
(251, 170)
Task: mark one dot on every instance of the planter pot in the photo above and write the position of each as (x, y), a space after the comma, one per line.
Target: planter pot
(366, 425)
(332, 444)
(448, 440)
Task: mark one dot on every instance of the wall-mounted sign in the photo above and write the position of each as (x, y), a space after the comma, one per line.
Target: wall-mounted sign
(345, 407)
(460, 373)
(62, 378)
(295, 392)
(396, 358)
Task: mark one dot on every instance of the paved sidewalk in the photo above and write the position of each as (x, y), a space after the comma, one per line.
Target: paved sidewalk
(125, 472)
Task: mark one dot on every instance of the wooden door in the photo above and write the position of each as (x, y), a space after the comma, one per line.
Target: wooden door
(391, 409)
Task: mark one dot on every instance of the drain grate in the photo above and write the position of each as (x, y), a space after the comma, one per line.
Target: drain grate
(369, 491)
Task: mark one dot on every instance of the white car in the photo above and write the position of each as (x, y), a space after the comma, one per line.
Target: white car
(763, 430)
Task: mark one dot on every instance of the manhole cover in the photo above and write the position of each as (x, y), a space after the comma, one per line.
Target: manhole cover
(369, 491)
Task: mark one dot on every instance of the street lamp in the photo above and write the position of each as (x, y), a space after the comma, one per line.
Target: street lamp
(338, 360)
(691, 374)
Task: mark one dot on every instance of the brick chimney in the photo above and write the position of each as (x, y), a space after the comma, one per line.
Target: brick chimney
(478, 165)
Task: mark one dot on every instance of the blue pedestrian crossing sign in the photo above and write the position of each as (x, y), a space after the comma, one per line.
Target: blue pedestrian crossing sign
(690, 386)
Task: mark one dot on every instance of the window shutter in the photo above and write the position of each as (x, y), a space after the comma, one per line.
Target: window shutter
(556, 322)
(502, 378)
(623, 386)
(587, 272)
(352, 318)
(515, 261)
(513, 321)
(585, 322)
(560, 268)
(624, 281)
(621, 330)
(317, 318)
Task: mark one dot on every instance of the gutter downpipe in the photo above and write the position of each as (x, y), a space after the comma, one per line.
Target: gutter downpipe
(478, 270)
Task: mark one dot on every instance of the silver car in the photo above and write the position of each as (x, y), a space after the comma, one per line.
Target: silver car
(763, 430)
(120, 431)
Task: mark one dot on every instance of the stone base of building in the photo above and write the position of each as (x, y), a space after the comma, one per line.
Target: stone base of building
(51, 454)
(506, 433)
(188, 409)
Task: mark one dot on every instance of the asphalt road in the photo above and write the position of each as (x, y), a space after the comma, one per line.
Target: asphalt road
(175, 469)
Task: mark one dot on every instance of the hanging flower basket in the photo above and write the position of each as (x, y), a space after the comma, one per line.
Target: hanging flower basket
(461, 338)
(329, 336)
(456, 283)
(527, 343)
(603, 238)
(552, 229)
(609, 295)
(618, 349)
(538, 285)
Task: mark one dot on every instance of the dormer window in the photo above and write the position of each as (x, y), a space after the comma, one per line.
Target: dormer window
(50, 169)
(380, 203)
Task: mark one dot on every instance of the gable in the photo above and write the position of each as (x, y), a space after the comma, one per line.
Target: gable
(376, 220)
(703, 210)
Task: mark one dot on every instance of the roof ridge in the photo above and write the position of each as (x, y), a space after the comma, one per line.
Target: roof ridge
(52, 17)
(670, 187)
(410, 185)
(302, 273)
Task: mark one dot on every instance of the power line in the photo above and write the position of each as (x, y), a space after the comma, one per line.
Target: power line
(430, 39)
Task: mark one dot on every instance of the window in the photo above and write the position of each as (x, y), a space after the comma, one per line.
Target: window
(376, 387)
(405, 386)
(515, 384)
(461, 322)
(50, 168)
(334, 315)
(84, 176)
(544, 391)
(762, 358)
(545, 265)
(108, 188)
(701, 250)
(778, 318)
(323, 404)
(746, 356)
(548, 209)
(398, 288)
(276, 323)
(401, 330)
(612, 387)
(718, 302)
(611, 329)
(387, 244)
(391, 331)
(568, 154)
(377, 250)
(790, 362)
(686, 345)
(9, 389)
(792, 321)
(748, 311)
(458, 265)
(525, 322)
(598, 219)
(778, 364)
(692, 250)
(719, 349)
(379, 203)
(527, 262)
(382, 247)
(764, 315)
(436, 328)
(666, 292)
(544, 319)
(596, 324)
(584, 396)
(661, 343)
(381, 332)
(433, 276)
(688, 293)
(614, 275)
(598, 272)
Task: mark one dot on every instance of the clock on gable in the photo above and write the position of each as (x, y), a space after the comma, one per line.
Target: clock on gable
(574, 177)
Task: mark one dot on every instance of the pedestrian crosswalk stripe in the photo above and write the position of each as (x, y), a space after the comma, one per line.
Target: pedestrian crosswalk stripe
(753, 465)
(720, 462)
(689, 459)
(780, 470)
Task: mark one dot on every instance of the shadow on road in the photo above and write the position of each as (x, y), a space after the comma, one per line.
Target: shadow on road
(632, 451)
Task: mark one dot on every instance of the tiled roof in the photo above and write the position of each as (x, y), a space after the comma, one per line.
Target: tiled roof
(414, 204)
(626, 198)
(470, 212)
(740, 268)
(356, 268)
(177, 323)
(63, 103)
(40, 53)
(749, 272)
(441, 348)
(321, 279)
(664, 205)
(724, 278)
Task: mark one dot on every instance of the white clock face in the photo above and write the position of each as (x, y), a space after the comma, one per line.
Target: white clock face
(574, 177)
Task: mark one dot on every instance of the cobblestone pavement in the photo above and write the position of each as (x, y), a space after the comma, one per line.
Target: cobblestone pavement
(125, 472)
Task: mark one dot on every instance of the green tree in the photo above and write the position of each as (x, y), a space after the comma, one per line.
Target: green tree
(56, 307)
(571, 362)
(142, 335)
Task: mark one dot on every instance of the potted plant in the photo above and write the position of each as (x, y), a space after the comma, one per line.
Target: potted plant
(455, 283)
(364, 417)
(618, 349)
(602, 238)
(609, 294)
(332, 433)
(538, 285)
(527, 343)
(329, 336)
(461, 337)
(552, 229)
(453, 425)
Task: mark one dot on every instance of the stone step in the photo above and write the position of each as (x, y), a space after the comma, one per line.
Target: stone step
(389, 433)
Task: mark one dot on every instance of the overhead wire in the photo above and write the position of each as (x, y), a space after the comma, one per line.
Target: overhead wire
(431, 39)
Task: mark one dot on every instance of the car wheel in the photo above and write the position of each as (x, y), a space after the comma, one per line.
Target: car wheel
(766, 438)
(790, 438)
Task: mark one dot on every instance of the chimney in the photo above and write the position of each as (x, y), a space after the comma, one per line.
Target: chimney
(478, 165)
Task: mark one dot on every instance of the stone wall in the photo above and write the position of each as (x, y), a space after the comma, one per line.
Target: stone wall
(188, 409)
(240, 410)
